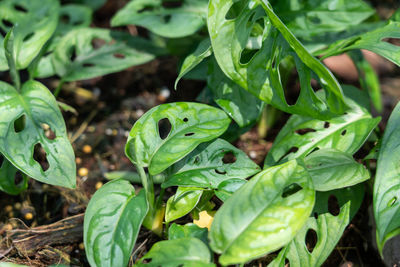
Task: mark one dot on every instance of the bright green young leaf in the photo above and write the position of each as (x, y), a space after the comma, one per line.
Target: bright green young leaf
(188, 251)
(301, 135)
(176, 231)
(163, 18)
(190, 123)
(180, 204)
(258, 69)
(30, 115)
(7, 178)
(209, 165)
(34, 23)
(112, 222)
(332, 169)
(327, 227)
(263, 215)
(387, 182)
(226, 189)
(88, 52)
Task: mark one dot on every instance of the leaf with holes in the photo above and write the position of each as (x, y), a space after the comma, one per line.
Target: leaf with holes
(176, 231)
(188, 251)
(171, 19)
(264, 214)
(226, 189)
(33, 133)
(317, 239)
(209, 165)
(256, 68)
(112, 222)
(190, 125)
(8, 175)
(302, 135)
(387, 186)
(34, 23)
(94, 4)
(180, 204)
(89, 52)
(332, 169)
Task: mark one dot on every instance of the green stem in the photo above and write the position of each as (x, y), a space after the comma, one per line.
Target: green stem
(58, 89)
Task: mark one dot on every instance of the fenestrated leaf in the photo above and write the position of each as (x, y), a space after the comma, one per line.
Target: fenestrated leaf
(34, 23)
(22, 120)
(94, 4)
(7, 178)
(301, 135)
(209, 165)
(178, 252)
(112, 222)
(88, 52)
(163, 19)
(264, 214)
(387, 183)
(226, 189)
(332, 169)
(73, 16)
(328, 229)
(257, 70)
(176, 231)
(191, 124)
(180, 204)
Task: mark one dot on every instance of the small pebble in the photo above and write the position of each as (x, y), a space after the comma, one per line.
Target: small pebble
(17, 206)
(28, 216)
(253, 154)
(109, 131)
(87, 149)
(78, 160)
(114, 132)
(11, 214)
(83, 171)
(98, 185)
(8, 208)
(81, 246)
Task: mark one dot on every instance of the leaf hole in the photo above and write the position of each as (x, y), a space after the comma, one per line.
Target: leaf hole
(287, 263)
(88, 65)
(392, 41)
(196, 160)
(292, 89)
(185, 119)
(20, 8)
(392, 202)
(311, 240)
(119, 55)
(291, 190)
(220, 172)
(146, 8)
(247, 55)
(315, 20)
(164, 128)
(234, 11)
(327, 125)
(48, 132)
(97, 43)
(7, 23)
(65, 19)
(28, 36)
(18, 178)
(316, 215)
(172, 4)
(229, 157)
(39, 155)
(305, 131)
(189, 134)
(72, 56)
(19, 124)
(1, 160)
(333, 205)
(293, 149)
(167, 18)
(343, 133)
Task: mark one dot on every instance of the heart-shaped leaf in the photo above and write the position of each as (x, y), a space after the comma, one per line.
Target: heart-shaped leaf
(34, 23)
(112, 222)
(180, 204)
(33, 121)
(176, 231)
(264, 214)
(162, 18)
(7, 178)
(256, 67)
(190, 124)
(387, 186)
(301, 135)
(178, 252)
(209, 165)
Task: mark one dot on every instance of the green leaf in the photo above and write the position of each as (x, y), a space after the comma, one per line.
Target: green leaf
(112, 222)
(180, 204)
(178, 252)
(263, 215)
(9, 53)
(226, 189)
(327, 227)
(94, 4)
(301, 135)
(7, 178)
(79, 57)
(386, 196)
(29, 113)
(257, 70)
(34, 23)
(209, 165)
(162, 19)
(73, 16)
(191, 124)
(176, 231)
(332, 169)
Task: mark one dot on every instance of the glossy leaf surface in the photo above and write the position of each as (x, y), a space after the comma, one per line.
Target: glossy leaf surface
(22, 129)
(263, 215)
(191, 124)
(178, 252)
(7, 178)
(180, 204)
(163, 19)
(112, 222)
(386, 195)
(176, 231)
(227, 188)
(209, 165)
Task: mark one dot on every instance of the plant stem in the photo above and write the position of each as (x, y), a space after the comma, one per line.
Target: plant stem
(58, 89)
(148, 186)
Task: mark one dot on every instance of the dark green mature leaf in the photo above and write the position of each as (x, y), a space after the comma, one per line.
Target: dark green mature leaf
(301, 135)
(7, 178)
(327, 227)
(28, 114)
(88, 52)
(34, 23)
(187, 252)
(180, 204)
(73, 16)
(112, 222)
(191, 124)
(209, 165)
(387, 186)
(226, 189)
(9, 54)
(176, 231)
(264, 214)
(94, 4)
(332, 169)
(257, 70)
(163, 19)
